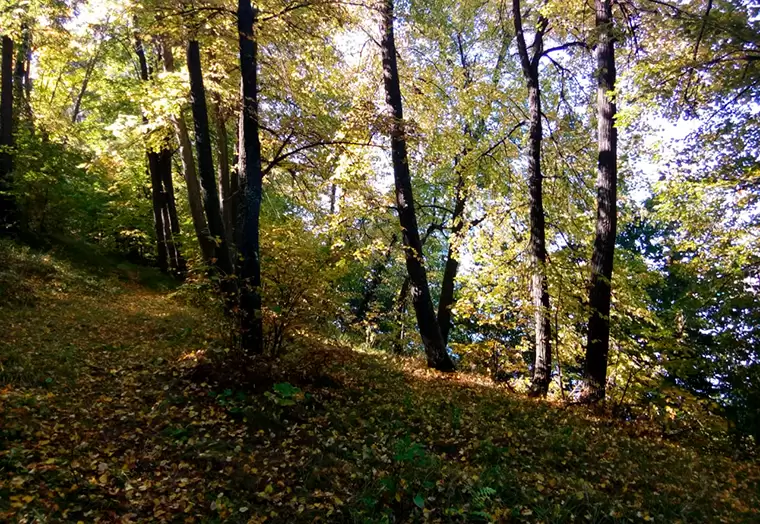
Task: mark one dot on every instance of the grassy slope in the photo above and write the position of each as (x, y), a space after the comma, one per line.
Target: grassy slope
(104, 414)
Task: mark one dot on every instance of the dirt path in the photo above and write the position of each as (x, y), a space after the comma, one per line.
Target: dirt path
(86, 373)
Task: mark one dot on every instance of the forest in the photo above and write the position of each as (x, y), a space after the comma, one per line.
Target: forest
(380, 261)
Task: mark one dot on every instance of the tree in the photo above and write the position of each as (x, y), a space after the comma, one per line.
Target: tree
(190, 173)
(6, 133)
(539, 289)
(226, 197)
(430, 332)
(600, 287)
(156, 163)
(250, 184)
(211, 205)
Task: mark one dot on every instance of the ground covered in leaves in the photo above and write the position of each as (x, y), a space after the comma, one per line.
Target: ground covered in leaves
(106, 415)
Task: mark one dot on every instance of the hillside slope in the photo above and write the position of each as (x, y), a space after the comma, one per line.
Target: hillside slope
(106, 416)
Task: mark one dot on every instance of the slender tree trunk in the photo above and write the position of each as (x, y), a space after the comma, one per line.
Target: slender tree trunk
(538, 290)
(20, 79)
(190, 174)
(7, 204)
(234, 199)
(171, 248)
(403, 294)
(170, 205)
(333, 197)
(600, 289)
(430, 332)
(156, 180)
(446, 300)
(162, 251)
(451, 268)
(206, 169)
(222, 147)
(87, 75)
(249, 171)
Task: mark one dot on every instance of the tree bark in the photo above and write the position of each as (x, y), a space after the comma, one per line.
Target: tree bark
(430, 332)
(222, 146)
(21, 79)
(156, 180)
(162, 251)
(7, 204)
(538, 290)
(190, 174)
(250, 185)
(234, 203)
(333, 197)
(87, 75)
(600, 289)
(206, 169)
(170, 205)
(398, 345)
(451, 268)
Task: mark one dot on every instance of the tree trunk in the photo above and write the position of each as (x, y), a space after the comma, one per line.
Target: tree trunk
(600, 289)
(156, 180)
(250, 184)
(450, 270)
(206, 169)
(87, 75)
(21, 78)
(7, 204)
(171, 249)
(190, 175)
(538, 290)
(398, 345)
(162, 251)
(170, 206)
(333, 197)
(234, 198)
(430, 332)
(222, 147)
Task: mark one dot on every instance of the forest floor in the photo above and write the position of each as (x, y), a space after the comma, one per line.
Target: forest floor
(104, 417)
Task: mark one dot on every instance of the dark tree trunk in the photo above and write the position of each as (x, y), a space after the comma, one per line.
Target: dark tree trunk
(538, 290)
(85, 82)
(451, 268)
(249, 171)
(7, 204)
(171, 249)
(600, 289)
(333, 197)
(156, 179)
(154, 171)
(190, 174)
(234, 199)
(222, 147)
(170, 205)
(430, 332)
(21, 79)
(206, 169)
